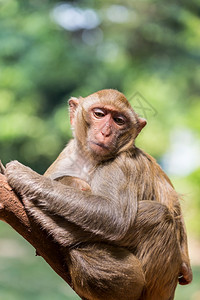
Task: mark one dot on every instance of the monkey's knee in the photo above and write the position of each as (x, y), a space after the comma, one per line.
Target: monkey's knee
(155, 230)
(106, 272)
(153, 214)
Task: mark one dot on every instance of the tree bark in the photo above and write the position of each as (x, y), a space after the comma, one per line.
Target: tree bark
(12, 212)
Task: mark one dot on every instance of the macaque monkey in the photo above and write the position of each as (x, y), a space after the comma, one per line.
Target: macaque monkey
(110, 204)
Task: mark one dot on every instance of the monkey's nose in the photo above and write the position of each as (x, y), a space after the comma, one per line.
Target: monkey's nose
(106, 130)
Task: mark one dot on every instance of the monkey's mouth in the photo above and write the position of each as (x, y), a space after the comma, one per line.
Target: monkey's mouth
(99, 148)
(100, 145)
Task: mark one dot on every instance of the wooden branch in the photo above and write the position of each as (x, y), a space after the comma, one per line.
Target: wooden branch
(12, 212)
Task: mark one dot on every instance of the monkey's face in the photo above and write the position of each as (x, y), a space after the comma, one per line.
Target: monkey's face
(107, 130)
(104, 123)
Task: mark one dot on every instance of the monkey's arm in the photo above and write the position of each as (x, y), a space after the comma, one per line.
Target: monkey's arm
(167, 195)
(186, 271)
(175, 208)
(93, 214)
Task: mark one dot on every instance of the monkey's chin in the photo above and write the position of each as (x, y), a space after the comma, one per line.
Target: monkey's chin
(99, 149)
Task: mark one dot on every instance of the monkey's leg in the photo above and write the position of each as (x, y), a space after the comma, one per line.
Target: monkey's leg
(157, 248)
(100, 271)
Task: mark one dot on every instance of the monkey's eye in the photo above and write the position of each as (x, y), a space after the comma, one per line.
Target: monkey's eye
(119, 120)
(98, 113)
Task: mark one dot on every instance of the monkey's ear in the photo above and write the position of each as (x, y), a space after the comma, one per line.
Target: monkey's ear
(142, 124)
(73, 104)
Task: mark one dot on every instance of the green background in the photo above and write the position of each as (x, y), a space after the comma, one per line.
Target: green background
(52, 50)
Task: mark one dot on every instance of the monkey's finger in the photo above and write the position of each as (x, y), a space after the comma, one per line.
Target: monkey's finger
(2, 168)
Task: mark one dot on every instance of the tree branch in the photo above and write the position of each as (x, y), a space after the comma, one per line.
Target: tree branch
(12, 212)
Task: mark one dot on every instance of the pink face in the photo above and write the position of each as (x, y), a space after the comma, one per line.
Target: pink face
(106, 125)
(104, 128)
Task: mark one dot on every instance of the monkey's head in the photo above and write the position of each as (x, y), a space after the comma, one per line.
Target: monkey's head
(104, 123)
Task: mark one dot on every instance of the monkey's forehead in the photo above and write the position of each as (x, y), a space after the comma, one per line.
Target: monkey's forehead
(110, 95)
(111, 98)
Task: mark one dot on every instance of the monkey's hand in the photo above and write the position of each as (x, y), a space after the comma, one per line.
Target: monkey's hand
(20, 176)
(185, 276)
(23, 180)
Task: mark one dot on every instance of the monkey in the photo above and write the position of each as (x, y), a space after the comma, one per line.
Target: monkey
(110, 204)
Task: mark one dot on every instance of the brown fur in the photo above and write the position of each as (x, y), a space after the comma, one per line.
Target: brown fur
(111, 205)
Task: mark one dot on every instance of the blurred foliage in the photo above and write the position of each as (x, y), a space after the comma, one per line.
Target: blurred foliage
(24, 276)
(148, 49)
